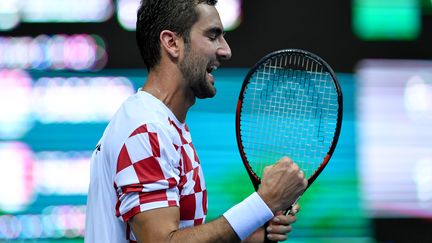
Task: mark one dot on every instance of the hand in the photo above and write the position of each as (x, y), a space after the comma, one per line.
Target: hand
(280, 226)
(282, 184)
(278, 229)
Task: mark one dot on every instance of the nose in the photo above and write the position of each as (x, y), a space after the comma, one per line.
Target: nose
(224, 51)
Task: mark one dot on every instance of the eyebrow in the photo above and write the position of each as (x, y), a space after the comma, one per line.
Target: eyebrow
(217, 31)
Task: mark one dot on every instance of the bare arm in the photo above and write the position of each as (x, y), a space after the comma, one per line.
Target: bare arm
(162, 225)
(282, 184)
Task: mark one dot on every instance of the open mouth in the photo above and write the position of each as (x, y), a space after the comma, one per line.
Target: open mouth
(210, 69)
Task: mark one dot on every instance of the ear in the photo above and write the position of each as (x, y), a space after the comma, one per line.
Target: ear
(170, 42)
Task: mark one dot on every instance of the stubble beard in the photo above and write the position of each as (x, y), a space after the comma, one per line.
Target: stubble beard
(194, 70)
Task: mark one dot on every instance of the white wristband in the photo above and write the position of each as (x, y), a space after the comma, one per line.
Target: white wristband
(248, 215)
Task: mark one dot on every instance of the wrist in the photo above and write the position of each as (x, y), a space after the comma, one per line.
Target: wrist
(248, 215)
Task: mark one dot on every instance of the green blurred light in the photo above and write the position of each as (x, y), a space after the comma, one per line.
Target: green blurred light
(387, 19)
(426, 6)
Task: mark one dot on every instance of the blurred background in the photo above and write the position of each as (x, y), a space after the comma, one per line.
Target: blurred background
(66, 66)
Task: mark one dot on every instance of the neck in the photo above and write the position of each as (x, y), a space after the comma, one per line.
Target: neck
(169, 87)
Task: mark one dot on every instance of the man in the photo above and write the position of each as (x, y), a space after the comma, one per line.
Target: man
(146, 179)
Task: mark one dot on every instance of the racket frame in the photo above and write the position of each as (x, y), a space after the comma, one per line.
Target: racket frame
(256, 181)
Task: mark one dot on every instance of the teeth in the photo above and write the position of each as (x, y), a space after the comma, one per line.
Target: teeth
(212, 68)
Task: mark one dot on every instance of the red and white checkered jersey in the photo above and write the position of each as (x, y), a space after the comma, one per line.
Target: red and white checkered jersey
(144, 160)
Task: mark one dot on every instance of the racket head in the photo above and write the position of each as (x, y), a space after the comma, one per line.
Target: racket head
(290, 104)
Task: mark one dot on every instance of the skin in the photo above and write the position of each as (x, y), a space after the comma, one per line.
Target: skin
(182, 75)
(181, 70)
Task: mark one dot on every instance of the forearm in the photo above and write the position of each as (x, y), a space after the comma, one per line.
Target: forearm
(218, 230)
(239, 222)
(162, 225)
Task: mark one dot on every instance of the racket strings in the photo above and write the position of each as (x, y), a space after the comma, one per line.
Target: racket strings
(289, 109)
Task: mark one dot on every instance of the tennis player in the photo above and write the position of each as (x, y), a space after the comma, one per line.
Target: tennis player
(146, 182)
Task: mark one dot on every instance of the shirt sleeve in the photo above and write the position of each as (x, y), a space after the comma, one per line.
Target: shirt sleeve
(147, 172)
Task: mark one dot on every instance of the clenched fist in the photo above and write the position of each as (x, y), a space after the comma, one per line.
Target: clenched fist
(282, 184)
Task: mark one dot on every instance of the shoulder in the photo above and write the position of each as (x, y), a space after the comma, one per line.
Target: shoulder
(140, 116)
(141, 110)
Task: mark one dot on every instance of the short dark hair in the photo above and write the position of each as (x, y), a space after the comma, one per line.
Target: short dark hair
(154, 16)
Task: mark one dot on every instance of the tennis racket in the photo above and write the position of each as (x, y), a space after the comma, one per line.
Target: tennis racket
(290, 104)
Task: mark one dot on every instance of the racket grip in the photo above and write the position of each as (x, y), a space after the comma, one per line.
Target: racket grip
(269, 241)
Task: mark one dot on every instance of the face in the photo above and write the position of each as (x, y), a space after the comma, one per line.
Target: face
(205, 51)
